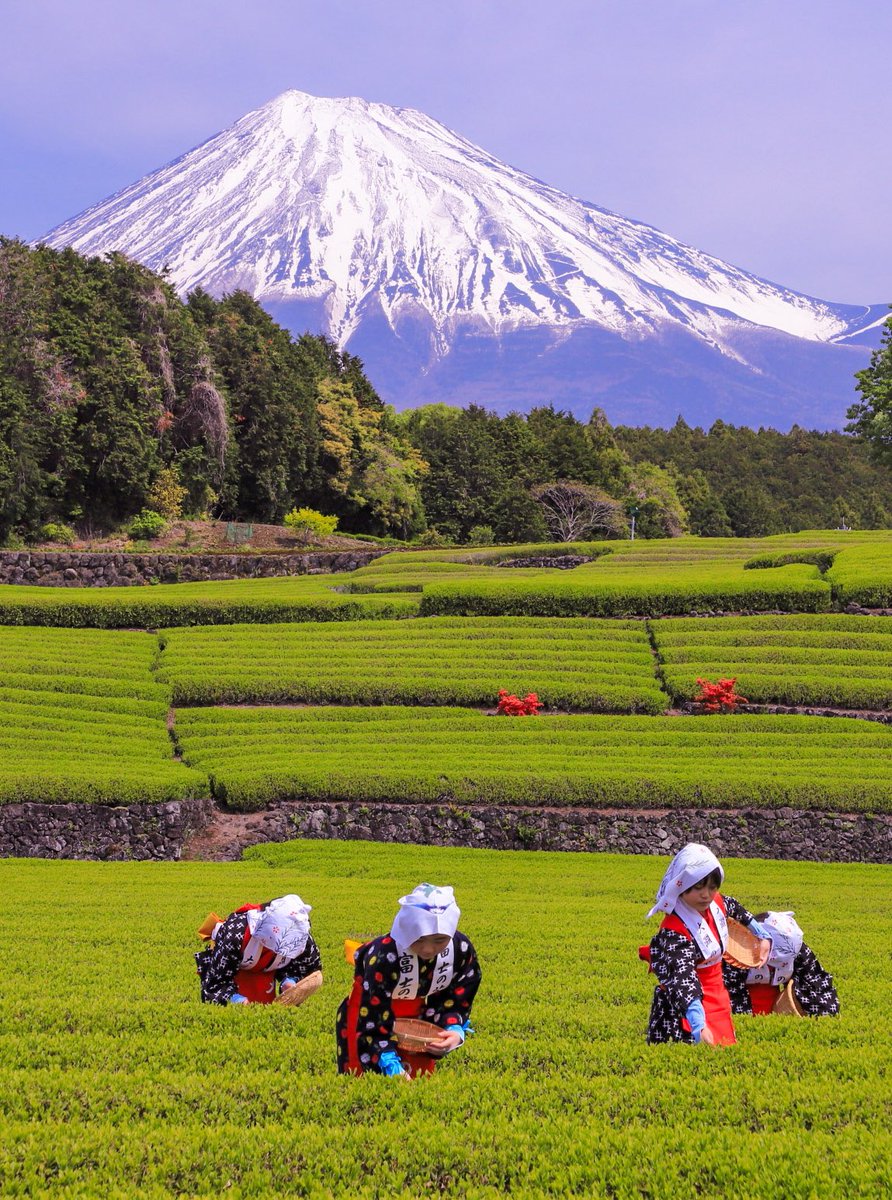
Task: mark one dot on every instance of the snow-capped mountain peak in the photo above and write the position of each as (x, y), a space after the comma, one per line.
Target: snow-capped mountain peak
(356, 202)
(356, 211)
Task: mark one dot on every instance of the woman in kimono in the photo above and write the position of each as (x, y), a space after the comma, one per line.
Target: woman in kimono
(424, 968)
(690, 1002)
(256, 947)
(790, 962)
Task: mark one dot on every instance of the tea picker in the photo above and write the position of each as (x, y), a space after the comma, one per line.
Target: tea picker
(412, 990)
(257, 947)
(690, 1001)
(791, 982)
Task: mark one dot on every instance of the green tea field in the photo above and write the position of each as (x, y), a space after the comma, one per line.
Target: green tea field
(116, 1082)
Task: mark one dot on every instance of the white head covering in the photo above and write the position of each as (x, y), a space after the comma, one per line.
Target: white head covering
(692, 863)
(283, 926)
(426, 911)
(786, 937)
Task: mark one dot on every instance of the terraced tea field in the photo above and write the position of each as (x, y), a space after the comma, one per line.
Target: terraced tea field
(116, 1082)
(596, 665)
(457, 756)
(669, 577)
(82, 718)
(839, 660)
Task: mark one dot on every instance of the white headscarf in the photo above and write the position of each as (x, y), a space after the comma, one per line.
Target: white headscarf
(786, 942)
(425, 911)
(283, 926)
(692, 863)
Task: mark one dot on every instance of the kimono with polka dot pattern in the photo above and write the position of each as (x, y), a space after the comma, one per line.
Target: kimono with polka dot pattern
(377, 973)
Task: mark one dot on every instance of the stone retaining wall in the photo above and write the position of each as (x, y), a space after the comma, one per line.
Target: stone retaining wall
(165, 831)
(782, 833)
(71, 569)
(97, 831)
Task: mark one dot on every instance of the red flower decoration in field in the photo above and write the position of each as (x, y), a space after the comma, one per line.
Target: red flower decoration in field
(512, 706)
(719, 696)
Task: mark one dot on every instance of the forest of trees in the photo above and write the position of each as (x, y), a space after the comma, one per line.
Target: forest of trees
(112, 388)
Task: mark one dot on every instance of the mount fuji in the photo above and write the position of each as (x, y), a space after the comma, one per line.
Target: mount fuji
(458, 278)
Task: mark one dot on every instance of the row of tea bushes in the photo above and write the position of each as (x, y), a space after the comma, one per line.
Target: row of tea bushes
(115, 1081)
(862, 575)
(839, 660)
(254, 756)
(571, 664)
(221, 602)
(595, 591)
(82, 718)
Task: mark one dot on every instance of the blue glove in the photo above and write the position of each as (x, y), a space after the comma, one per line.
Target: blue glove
(238, 998)
(287, 983)
(759, 930)
(390, 1063)
(696, 1018)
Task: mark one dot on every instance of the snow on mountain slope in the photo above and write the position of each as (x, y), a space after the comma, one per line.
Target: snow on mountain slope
(349, 202)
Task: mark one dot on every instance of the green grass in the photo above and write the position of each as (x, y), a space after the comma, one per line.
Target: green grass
(116, 1082)
(596, 665)
(839, 660)
(419, 755)
(82, 718)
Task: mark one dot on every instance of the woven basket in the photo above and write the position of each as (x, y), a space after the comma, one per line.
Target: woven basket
(743, 949)
(208, 925)
(412, 1034)
(786, 1004)
(301, 991)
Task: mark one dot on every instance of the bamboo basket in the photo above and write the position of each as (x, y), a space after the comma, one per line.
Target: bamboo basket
(414, 1035)
(208, 925)
(743, 949)
(301, 991)
(786, 1004)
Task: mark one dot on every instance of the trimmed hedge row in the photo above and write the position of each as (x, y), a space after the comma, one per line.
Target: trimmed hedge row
(254, 756)
(603, 666)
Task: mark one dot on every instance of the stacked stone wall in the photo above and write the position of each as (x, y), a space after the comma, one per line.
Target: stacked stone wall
(73, 569)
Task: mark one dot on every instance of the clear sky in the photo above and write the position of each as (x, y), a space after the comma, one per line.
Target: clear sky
(757, 130)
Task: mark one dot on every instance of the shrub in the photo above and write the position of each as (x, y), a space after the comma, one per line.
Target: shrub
(718, 696)
(56, 532)
(312, 526)
(512, 706)
(481, 535)
(147, 525)
(167, 494)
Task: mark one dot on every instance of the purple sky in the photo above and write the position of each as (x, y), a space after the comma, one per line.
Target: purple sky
(757, 130)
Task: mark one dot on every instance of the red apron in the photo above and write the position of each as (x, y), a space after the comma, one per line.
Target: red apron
(415, 1063)
(257, 983)
(716, 1001)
